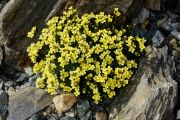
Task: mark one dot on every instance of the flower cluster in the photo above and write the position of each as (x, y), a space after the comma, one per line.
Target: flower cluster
(89, 54)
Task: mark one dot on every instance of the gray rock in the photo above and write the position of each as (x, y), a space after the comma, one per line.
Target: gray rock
(157, 39)
(177, 72)
(178, 115)
(67, 118)
(32, 80)
(37, 117)
(82, 107)
(88, 116)
(130, 8)
(176, 34)
(170, 25)
(9, 83)
(22, 77)
(16, 19)
(1, 84)
(27, 102)
(3, 97)
(18, 16)
(143, 15)
(71, 113)
(151, 94)
(3, 104)
(2, 3)
(52, 116)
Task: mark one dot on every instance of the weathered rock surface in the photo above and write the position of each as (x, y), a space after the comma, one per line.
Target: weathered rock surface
(158, 39)
(1, 55)
(27, 102)
(64, 102)
(19, 16)
(82, 107)
(101, 116)
(3, 105)
(152, 93)
(2, 3)
(129, 8)
(87, 116)
(67, 118)
(153, 4)
(176, 34)
(142, 16)
(1, 84)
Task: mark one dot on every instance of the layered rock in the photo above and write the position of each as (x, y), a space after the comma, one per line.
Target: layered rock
(151, 94)
(27, 102)
(18, 17)
(1, 55)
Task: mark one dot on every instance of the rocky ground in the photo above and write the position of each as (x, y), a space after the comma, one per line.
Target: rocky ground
(154, 92)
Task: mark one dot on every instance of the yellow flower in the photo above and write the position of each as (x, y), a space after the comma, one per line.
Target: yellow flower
(116, 12)
(31, 33)
(88, 54)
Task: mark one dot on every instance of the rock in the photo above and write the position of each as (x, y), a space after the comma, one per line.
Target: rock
(175, 45)
(151, 94)
(101, 116)
(160, 22)
(170, 24)
(143, 15)
(52, 117)
(153, 4)
(176, 34)
(37, 117)
(9, 83)
(1, 84)
(151, 31)
(16, 14)
(82, 107)
(32, 80)
(88, 116)
(27, 102)
(3, 98)
(157, 39)
(64, 102)
(16, 19)
(10, 73)
(3, 105)
(71, 113)
(2, 3)
(1, 55)
(177, 72)
(28, 70)
(10, 91)
(178, 68)
(178, 115)
(129, 8)
(22, 77)
(48, 110)
(67, 118)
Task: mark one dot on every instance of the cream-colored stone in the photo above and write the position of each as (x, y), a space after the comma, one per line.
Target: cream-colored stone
(64, 102)
(101, 116)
